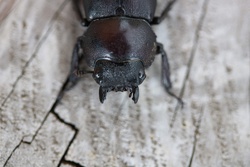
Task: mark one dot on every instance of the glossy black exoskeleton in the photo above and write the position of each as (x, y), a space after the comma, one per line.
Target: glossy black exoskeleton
(119, 44)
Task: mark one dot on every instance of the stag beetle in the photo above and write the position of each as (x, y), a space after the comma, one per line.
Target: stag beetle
(119, 44)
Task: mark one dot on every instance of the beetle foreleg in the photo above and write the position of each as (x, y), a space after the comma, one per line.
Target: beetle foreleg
(74, 69)
(164, 14)
(166, 73)
(77, 4)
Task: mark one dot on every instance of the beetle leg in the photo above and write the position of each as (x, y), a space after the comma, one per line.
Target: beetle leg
(75, 73)
(77, 6)
(166, 73)
(72, 78)
(164, 14)
(74, 69)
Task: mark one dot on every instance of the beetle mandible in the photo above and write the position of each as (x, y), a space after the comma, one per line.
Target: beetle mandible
(119, 44)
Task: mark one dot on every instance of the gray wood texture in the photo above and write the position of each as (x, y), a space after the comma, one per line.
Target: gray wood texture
(208, 45)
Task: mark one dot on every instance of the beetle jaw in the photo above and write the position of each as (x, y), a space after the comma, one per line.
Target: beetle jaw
(133, 92)
(112, 76)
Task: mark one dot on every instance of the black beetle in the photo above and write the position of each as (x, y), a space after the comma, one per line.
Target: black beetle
(119, 44)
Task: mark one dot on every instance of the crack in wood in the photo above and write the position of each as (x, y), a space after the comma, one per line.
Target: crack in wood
(71, 163)
(249, 76)
(63, 160)
(195, 44)
(52, 111)
(192, 55)
(72, 126)
(42, 40)
(196, 133)
(12, 152)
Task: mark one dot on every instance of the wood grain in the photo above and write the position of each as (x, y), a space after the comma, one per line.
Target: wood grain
(208, 46)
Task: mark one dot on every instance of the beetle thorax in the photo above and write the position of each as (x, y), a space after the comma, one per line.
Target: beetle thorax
(119, 39)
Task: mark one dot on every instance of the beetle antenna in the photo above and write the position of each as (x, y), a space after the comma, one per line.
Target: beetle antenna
(80, 73)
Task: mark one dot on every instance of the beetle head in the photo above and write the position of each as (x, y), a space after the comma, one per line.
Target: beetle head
(114, 76)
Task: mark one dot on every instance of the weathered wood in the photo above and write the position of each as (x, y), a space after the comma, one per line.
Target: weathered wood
(47, 148)
(208, 47)
(5, 8)
(21, 35)
(32, 69)
(217, 90)
(119, 133)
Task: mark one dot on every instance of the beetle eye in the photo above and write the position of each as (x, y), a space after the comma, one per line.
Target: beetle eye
(97, 75)
(141, 74)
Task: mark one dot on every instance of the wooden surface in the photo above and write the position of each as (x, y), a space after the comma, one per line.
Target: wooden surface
(208, 44)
